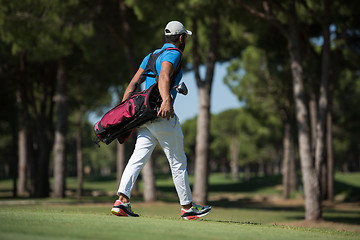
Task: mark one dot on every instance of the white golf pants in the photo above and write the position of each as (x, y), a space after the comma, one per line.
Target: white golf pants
(169, 135)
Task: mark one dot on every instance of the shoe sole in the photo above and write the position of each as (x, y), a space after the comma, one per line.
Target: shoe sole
(121, 213)
(196, 216)
(191, 218)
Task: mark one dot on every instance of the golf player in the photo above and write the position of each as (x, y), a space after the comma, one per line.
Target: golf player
(165, 130)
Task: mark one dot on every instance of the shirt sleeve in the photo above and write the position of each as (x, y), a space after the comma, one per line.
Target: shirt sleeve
(144, 62)
(172, 56)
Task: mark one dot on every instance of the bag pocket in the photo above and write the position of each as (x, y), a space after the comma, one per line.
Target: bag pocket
(138, 102)
(118, 114)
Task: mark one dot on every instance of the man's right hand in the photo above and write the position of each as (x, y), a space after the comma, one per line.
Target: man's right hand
(166, 109)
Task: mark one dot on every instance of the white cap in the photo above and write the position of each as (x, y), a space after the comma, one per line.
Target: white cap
(175, 28)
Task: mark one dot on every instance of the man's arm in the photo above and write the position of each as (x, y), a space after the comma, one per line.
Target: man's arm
(131, 85)
(166, 108)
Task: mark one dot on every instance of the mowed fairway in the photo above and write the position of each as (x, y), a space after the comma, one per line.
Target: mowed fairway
(157, 221)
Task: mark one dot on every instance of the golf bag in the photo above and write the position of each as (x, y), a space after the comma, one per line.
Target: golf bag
(120, 122)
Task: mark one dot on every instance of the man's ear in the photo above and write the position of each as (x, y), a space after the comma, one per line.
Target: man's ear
(181, 38)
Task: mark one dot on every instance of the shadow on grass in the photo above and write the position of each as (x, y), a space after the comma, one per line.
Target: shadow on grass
(348, 220)
(352, 193)
(248, 203)
(329, 214)
(253, 185)
(100, 178)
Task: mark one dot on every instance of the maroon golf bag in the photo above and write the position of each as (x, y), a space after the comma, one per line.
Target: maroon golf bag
(120, 122)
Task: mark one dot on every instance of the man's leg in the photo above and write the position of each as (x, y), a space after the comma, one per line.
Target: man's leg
(145, 144)
(170, 137)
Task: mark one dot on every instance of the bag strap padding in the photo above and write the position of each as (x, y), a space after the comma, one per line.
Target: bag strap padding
(151, 66)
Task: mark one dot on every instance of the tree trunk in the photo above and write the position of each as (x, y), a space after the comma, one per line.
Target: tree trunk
(323, 180)
(329, 146)
(42, 108)
(127, 43)
(235, 158)
(289, 165)
(261, 168)
(203, 121)
(323, 98)
(310, 180)
(277, 164)
(79, 156)
(40, 166)
(310, 59)
(127, 38)
(202, 148)
(293, 169)
(312, 105)
(22, 149)
(286, 159)
(309, 174)
(149, 181)
(60, 133)
(14, 161)
(21, 188)
(120, 160)
(247, 172)
(22, 134)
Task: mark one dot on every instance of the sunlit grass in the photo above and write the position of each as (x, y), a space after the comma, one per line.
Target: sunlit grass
(159, 220)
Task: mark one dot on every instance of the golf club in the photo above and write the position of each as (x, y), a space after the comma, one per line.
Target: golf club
(181, 88)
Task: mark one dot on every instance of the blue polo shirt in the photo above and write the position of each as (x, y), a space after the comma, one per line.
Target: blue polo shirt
(172, 56)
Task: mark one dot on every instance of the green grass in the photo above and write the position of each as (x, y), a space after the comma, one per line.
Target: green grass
(349, 178)
(238, 218)
(347, 186)
(160, 220)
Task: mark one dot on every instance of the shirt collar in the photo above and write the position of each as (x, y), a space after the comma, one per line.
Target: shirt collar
(168, 45)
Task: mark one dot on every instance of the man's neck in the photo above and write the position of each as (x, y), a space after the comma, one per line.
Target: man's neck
(177, 44)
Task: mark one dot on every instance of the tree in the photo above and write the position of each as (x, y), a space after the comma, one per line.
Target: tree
(291, 33)
(323, 17)
(122, 34)
(60, 133)
(51, 35)
(225, 140)
(189, 131)
(79, 155)
(257, 142)
(209, 43)
(204, 88)
(257, 80)
(8, 120)
(23, 134)
(149, 181)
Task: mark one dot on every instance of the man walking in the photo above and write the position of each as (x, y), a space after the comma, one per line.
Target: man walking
(165, 130)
